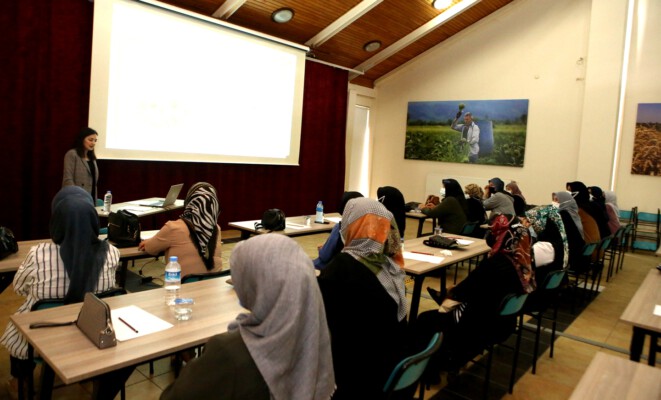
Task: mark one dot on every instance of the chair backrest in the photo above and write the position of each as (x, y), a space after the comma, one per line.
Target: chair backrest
(410, 369)
(204, 276)
(469, 228)
(512, 304)
(554, 279)
(588, 249)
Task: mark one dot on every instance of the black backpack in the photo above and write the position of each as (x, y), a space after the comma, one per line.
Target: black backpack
(273, 219)
(123, 229)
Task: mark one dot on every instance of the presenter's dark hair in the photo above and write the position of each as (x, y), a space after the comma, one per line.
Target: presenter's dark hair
(78, 144)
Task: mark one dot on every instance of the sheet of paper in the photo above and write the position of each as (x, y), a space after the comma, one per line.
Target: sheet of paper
(334, 219)
(295, 226)
(423, 257)
(657, 310)
(138, 319)
(464, 242)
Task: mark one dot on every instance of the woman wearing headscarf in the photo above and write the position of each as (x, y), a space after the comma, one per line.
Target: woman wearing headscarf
(75, 262)
(368, 272)
(452, 210)
(613, 211)
(333, 244)
(496, 200)
(549, 227)
(195, 236)
(469, 316)
(582, 197)
(568, 210)
(279, 350)
(393, 199)
(520, 204)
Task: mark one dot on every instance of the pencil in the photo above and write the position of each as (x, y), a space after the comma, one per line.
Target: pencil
(127, 324)
(420, 252)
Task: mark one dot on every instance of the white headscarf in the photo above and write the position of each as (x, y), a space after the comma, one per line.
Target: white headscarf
(611, 198)
(286, 332)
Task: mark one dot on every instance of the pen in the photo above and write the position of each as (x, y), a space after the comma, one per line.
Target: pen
(417, 252)
(129, 325)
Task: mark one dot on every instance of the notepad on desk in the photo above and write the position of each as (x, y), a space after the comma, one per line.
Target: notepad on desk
(430, 258)
(132, 321)
(334, 219)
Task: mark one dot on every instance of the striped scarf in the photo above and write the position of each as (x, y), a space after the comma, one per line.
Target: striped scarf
(201, 210)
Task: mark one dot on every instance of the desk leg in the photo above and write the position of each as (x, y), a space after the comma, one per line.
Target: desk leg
(421, 223)
(47, 377)
(637, 341)
(415, 298)
(444, 287)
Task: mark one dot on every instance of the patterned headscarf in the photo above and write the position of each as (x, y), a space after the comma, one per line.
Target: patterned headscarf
(286, 331)
(201, 210)
(74, 226)
(370, 236)
(511, 239)
(567, 203)
(539, 217)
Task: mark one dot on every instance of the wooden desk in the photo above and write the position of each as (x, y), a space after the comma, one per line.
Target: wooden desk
(10, 264)
(421, 218)
(295, 226)
(640, 314)
(418, 270)
(74, 358)
(616, 378)
(141, 211)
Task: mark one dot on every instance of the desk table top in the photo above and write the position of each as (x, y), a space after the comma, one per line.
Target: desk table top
(73, 357)
(139, 210)
(640, 311)
(415, 267)
(295, 226)
(616, 378)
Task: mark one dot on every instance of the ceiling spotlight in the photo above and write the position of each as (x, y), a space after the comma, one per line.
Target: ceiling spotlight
(374, 45)
(282, 15)
(441, 4)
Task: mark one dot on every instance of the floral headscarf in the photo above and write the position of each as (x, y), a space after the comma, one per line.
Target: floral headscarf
(539, 217)
(511, 239)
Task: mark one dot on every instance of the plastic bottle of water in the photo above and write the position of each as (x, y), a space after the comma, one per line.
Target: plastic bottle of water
(320, 212)
(172, 280)
(107, 201)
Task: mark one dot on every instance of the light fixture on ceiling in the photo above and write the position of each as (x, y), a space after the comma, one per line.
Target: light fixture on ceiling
(374, 45)
(282, 15)
(441, 4)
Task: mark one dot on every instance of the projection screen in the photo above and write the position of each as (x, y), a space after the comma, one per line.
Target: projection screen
(171, 85)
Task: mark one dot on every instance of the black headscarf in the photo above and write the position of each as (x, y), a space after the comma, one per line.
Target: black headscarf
(74, 226)
(498, 185)
(453, 189)
(582, 197)
(599, 199)
(346, 196)
(393, 199)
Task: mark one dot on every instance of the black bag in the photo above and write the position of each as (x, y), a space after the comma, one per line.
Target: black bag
(441, 242)
(273, 219)
(8, 244)
(124, 229)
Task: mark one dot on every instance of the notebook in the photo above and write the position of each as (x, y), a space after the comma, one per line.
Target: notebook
(169, 199)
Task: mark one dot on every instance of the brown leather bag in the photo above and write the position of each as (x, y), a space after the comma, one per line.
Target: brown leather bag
(94, 321)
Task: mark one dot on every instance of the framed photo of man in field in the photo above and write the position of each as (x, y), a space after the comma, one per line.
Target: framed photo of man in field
(647, 141)
(489, 132)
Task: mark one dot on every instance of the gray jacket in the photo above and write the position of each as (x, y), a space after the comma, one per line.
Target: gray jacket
(77, 172)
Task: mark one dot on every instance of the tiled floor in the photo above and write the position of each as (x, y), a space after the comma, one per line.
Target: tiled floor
(597, 328)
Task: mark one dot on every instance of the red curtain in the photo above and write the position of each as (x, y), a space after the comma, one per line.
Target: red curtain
(45, 86)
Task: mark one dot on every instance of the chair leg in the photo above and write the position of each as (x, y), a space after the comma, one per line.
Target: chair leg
(487, 374)
(555, 322)
(536, 347)
(515, 359)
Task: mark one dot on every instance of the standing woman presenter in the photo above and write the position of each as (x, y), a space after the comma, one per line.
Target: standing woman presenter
(80, 163)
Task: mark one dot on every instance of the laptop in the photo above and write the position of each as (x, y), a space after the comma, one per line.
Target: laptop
(169, 199)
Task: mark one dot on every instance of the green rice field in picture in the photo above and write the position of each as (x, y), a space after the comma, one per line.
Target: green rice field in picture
(502, 127)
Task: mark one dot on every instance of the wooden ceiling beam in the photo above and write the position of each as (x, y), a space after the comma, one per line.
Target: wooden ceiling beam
(228, 8)
(345, 20)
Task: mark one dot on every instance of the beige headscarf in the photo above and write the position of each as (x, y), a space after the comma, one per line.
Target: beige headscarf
(286, 332)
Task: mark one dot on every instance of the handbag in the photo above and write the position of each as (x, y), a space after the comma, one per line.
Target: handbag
(123, 228)
(94, 321)
(8, 244)
(441, 242)
(273, 219)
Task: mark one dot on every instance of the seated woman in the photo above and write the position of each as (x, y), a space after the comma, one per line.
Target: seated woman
(496, 199)
(393, 199)
(568, 210)
(452, 210)
(520, 204)
(613, 211)
(365, 300)
(333, 244)
(476, 211)
(549, 227)
(587, 211)
(73, 263)
(281, 348)
(195, 236)
(469, 317)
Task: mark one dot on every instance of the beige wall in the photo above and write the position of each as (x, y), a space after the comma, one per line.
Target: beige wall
(565, 57)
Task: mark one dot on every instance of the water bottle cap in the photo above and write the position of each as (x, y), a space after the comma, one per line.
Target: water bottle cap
(174, 258)
(108, 191)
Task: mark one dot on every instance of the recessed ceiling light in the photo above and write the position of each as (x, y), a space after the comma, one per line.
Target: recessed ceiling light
(282, 15)
(374, 45)
(441, 4)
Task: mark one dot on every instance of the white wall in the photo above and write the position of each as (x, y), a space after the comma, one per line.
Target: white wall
(539, 50)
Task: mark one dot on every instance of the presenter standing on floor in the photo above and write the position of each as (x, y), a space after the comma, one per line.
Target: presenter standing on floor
(80, 163)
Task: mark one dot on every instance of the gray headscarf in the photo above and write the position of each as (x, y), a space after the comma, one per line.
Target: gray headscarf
(567, 203)
(286, 332)
(611, 198)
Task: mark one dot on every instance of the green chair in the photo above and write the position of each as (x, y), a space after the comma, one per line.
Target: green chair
(204, 276)
(409, 371)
